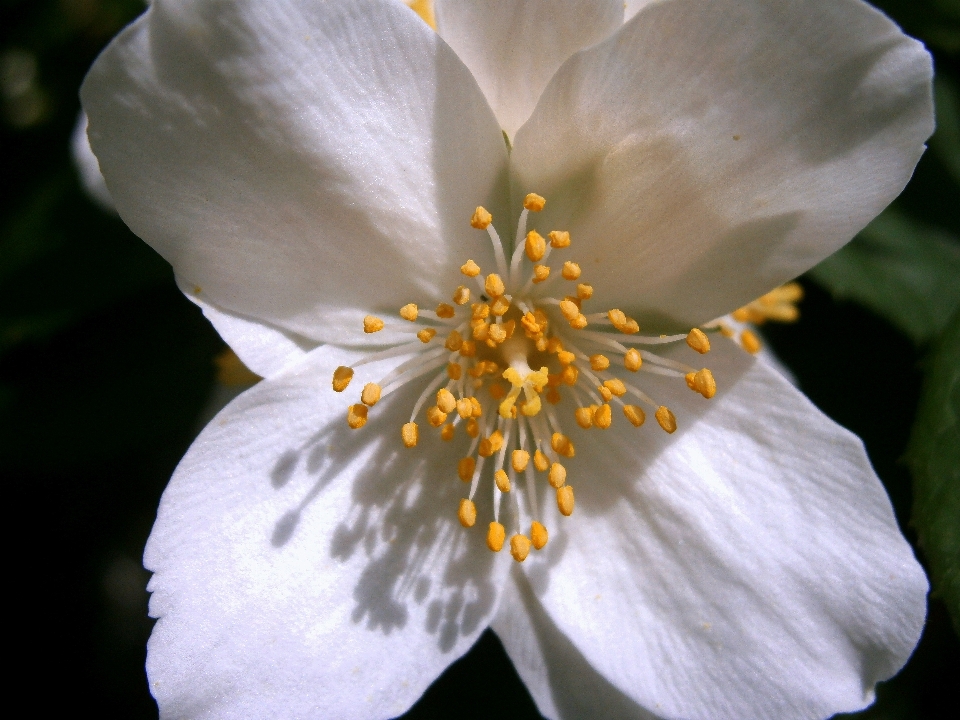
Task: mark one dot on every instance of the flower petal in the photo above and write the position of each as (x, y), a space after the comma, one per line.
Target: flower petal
(748, 566)
(513, 47)
(304, 163)
(87, 166)
(562, 682)
(264, 349)
(302, 569)
(713, 149)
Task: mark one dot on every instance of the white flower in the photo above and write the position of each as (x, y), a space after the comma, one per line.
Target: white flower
(303, 165)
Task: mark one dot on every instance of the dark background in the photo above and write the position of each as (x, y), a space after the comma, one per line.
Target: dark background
(106, 372)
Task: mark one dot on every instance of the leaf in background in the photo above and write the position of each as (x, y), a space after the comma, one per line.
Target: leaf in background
(945, 142)
(934, 458)
(904, 271)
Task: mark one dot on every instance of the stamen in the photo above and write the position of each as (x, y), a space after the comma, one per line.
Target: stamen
(571, 270)
(565, 500)
(540, 273)
(599, 362)
(465, 468)
(751, 343)
(481, 219)
(409, 312)
(410, 433)
(702, 382)
(626, 325)
(559, 238)
(357, 416)
(519, 460)
(698, 340)
(584, 291)
(634, 414)
(502, 481)
(535, 246)
(445, 311)
(470, 269)
(538, 534)
(494, 285)
(557, 476)
(495, 536)
(632, 360)
(461, 296)
(519, 547)
(370, 394)
(540, 461)
(533, 202)
(426, 335)
(666, 419)
(372, 324)
(603, 417)
(467, 513)
(341, 378)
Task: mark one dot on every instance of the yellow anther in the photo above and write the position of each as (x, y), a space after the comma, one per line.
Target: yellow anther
(497, 391)
(584, 416)
(470, 268)
(561, 444)
(579, 322)
(467, 513)
(341, 378)
(566, 357)
(477, 408)
(473, 428)
(535, 246)
(698, 340)
(447, 431)
(435, 416)
(446, 401)
(494, 285)
(632, 360)
(533, 202)
(481, 331)
(603, 417)
(569, 309)
(357, 416)
(496, 334)
(424, 8)
(565, 500)
(426, 335)
(480, 311)
(465, 408)
(744, 315)
(454, 371)
(502, 480)
(454, 341)
(370, 394)
(554, 345)
(726, 330)
(704, 383)
(571, 271)
(465, 468)
(409, 312)
(605, 393)
(552, 396)
(445, 311)
(468, 349)
(751, 343)
(410, 433)
(481, 219)
(461, 295)
(557, 476)
(569, 375)
(495, 536)
(540, 273)
(519, 547)
(559, 238)
(372, 324)
(540, 343)
(499, 306)
(540, 461)
(599, 362)
(584, 291)
(621, 322)
(616, 386)
(530, 324)
(538, 534)
(490, 445)
(634, 414)
(665, 419)
(519, 460)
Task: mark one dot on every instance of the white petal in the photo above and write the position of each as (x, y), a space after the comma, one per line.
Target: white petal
(87, 166)
(264, 349)
(748, 566)
(513, 47)
(304, 163)
(713, 149)
(561, 681)
(632, 7)
(304, 570)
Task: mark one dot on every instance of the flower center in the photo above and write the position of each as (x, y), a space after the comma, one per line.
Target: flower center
(504, 366)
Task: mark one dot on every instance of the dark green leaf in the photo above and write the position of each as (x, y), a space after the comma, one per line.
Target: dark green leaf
(902, 270)
(945, 142)
(934, 458)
